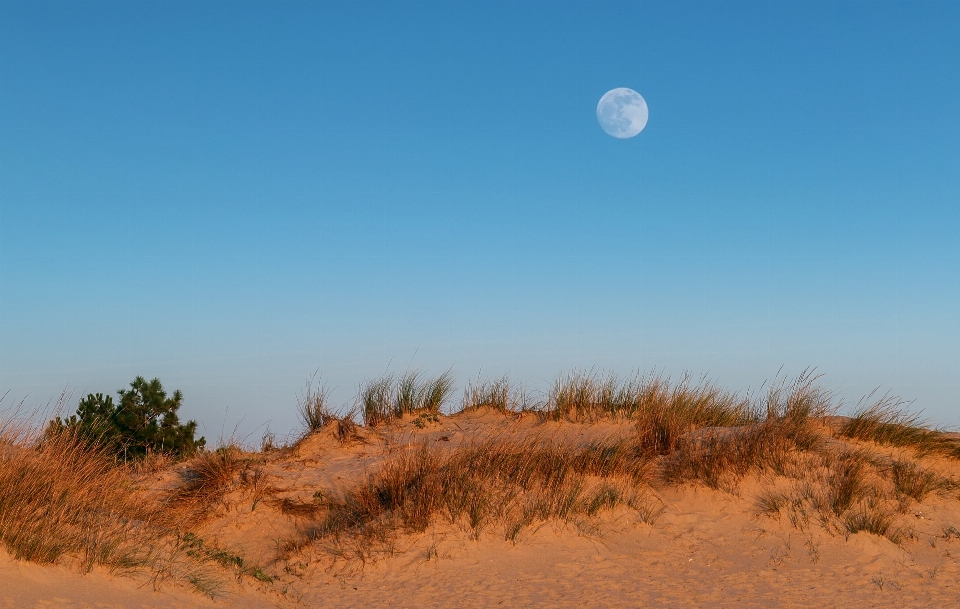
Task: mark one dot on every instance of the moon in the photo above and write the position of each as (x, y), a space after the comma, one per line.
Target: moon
(622, 113)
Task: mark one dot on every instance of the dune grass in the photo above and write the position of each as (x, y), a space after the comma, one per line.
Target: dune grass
(885, 422)
(313, 406)
(67, 500)
(590, 396)
(507, 482)
(388, 397)
(316, 414)
(499, 394)
(874, 518)
(913, 481)
(206, 479)
(781, 426)
(852, 490)
(61, 496)
(64, 500)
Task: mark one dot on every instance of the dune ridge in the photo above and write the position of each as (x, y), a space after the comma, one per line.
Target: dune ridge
(606, 491)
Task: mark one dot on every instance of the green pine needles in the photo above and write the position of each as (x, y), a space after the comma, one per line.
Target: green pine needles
(144, 421)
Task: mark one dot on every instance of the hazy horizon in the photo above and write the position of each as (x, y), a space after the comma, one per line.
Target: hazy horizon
(232, 196)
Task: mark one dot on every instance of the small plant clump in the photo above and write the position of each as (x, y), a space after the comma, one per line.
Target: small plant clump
(316, 414)
(144, 421)
(872, 517)
(208, 477)
(199, 549)
(913, 481)
(425, 418)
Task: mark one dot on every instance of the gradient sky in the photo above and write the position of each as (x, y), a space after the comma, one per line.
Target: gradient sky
(231, 196)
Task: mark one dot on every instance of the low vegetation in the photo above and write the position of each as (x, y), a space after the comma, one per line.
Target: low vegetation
(495, 481)
(69, 491)
(206, 479)
(61, 496)
(316, 414)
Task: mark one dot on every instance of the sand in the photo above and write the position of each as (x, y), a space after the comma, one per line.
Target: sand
(707, 548)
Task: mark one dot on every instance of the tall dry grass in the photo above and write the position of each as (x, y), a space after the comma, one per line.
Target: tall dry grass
(313, 406)
(65, 500)
(59, 496)
(62, 498)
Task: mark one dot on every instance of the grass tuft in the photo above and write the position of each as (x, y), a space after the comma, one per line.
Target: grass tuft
(771, 502)
(313, 408)
(874, 519)
(389, 398)
(846, 481)
(499, 394)
(207, 479)
(911, 480)
(884, 422)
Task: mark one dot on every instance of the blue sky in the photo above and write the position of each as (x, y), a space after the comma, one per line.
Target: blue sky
(231, 196)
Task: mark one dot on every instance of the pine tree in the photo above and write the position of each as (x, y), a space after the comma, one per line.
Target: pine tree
(144, 421)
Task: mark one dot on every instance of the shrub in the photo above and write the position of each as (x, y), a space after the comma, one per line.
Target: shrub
(145, 421)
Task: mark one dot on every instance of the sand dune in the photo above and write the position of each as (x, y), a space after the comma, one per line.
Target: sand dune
(690, 546)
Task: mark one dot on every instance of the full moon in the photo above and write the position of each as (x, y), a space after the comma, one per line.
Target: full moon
(622, 113)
